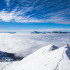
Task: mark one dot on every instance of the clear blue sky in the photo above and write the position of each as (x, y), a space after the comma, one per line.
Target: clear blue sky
(34, 14)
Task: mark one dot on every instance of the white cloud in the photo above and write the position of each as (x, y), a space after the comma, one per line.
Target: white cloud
(7, 17)
(59, 20)
(8, 2)
(19, 14)
(26, 19)
(55, 29)
(16, 16)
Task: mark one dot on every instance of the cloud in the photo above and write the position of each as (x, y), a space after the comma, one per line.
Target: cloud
(7, 17)
(7, 2)
(36, 11)
(56, 29)
(16, 16)
(59, 20)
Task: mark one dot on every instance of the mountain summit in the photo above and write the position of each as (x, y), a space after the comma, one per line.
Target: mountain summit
(47, 58)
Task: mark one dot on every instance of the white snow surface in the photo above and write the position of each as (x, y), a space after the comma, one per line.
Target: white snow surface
(58, 59)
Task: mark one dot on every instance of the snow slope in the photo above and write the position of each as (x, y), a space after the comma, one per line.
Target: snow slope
(44, 59)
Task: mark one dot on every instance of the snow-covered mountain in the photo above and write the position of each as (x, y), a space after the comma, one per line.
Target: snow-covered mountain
(37, 32)
(46, 58)
(44, 32)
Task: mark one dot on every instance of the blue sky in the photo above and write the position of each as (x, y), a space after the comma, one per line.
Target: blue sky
(34, 14)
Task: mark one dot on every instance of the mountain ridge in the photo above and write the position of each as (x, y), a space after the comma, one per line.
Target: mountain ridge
(57, 59)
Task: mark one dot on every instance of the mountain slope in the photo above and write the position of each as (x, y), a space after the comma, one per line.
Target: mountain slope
(54, 60)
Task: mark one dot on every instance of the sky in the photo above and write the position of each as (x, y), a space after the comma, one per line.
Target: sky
(35, 15)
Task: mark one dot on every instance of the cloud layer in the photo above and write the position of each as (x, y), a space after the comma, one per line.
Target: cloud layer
(35, 11)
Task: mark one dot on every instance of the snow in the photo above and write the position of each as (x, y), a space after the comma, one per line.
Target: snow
(52, 60)
(4, 64)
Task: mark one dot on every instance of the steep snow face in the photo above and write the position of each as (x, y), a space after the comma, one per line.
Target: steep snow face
(58, 59)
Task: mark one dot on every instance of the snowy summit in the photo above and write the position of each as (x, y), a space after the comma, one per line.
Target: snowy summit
(44, 59)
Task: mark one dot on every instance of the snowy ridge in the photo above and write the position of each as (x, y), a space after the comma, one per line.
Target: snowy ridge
(40, 52)
(44, 59)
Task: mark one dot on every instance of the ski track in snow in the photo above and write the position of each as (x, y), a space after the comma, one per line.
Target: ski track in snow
(60, 61)
(5, 65)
